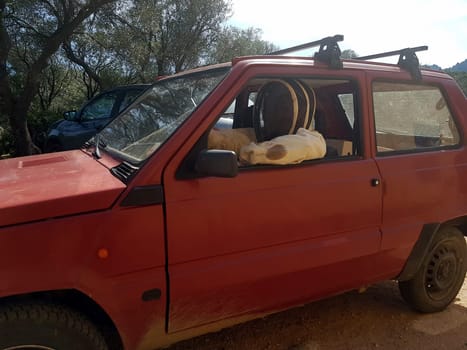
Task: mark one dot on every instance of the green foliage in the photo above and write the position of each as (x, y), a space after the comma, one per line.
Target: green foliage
(234, 42)
(39, 124)
(152, 38)
(31, 34)
(135, 33)
(461, 78)
(349, 54)
(190, 27)
(6, 137)
(49, 65)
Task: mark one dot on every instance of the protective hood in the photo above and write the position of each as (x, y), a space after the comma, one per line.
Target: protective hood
(53, 185)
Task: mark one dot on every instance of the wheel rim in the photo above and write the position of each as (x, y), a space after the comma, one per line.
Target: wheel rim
(442, 270)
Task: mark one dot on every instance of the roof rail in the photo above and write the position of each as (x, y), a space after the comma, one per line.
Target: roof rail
(329, 51)
(408, 59)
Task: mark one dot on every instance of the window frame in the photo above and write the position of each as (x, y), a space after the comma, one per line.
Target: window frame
(443, 93)
(124, 94)
(358, 114)
(98, 98)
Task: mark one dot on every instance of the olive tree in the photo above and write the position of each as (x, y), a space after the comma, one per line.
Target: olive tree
(31, 32)
(233, 42)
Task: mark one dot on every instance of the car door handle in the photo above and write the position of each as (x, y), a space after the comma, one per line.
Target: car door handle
(375, 182)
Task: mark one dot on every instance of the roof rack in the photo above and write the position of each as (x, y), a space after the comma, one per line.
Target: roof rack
(330, 54)
(408, 59)
(329, 51)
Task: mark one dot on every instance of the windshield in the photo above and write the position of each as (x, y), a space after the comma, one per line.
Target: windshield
(139, 131)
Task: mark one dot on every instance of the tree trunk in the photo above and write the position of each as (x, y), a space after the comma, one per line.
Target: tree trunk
(22, 139)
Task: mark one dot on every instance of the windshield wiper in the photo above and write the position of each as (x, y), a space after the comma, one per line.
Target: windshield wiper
(97, 140)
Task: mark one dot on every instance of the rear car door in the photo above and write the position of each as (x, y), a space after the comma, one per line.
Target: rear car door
(419, 153)
(275, 236)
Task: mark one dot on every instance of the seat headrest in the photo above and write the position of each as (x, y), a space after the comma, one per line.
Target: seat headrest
(282, 107)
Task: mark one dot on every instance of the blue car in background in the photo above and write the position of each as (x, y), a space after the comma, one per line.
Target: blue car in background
(79, 126)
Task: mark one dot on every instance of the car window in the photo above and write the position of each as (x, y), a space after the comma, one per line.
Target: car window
(347, 103)
(226, 119)
(139, 131)
(411, 117)
(100, 108)
(129, 97)
(287, 121)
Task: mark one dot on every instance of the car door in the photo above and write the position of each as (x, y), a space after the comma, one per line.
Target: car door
(98, 113)
(91, 118)
(418, 151)
(103, 109)
(273, 236)
(128, 96)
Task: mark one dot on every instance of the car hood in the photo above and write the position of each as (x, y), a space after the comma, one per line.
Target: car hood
(53, 185)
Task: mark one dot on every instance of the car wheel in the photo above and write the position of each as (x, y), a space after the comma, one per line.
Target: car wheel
(441, 275)
(46, 327)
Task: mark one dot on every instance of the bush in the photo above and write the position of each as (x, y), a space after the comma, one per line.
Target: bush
(38, 124)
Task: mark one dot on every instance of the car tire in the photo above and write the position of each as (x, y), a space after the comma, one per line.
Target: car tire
(441, 275)
(47, 327)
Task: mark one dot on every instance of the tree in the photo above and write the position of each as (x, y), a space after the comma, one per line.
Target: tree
(188, 29)
(349, 54)
(54, 80)
(233, 42)
(93, 49)
(31, 32)
(167, 36)
(147, 38)
(135, 44)
(60, 50)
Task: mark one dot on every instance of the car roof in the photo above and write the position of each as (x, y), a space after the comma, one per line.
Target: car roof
(132, 87)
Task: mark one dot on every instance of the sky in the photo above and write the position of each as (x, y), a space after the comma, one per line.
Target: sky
(368, 26)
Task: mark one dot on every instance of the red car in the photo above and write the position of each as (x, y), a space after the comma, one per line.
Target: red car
(334, 174)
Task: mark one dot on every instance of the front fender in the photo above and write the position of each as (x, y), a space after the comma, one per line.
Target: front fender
(67, 253)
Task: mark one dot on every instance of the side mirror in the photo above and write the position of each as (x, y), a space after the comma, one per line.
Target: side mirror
(219, 163)
(70, 115)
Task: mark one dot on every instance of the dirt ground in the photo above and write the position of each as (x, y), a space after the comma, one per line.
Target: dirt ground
(375, 319)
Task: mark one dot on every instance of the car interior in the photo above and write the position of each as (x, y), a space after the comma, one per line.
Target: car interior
(270, 108)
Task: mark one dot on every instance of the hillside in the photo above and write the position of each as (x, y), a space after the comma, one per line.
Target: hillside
(459, 67)
(458, 72)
